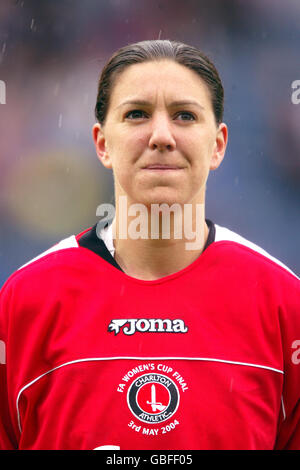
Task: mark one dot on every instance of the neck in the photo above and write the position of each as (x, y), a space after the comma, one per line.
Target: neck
(156, 243)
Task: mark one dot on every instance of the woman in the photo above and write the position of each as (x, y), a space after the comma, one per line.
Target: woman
(153, 335)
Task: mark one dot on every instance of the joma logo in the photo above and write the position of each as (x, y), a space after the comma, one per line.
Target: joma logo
(130, 326)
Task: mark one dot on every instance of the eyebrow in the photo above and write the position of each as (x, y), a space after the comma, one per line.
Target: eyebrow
(173, 104)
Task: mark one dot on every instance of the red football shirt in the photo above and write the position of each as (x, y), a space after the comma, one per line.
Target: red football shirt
(206, 358)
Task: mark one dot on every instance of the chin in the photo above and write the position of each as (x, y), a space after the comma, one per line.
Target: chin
(163, 199)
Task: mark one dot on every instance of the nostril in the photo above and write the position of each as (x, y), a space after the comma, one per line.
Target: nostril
(161, 148)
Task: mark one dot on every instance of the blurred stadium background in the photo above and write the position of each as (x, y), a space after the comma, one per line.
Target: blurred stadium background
(51, 54)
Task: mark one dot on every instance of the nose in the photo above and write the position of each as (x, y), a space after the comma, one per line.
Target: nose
(161, 138)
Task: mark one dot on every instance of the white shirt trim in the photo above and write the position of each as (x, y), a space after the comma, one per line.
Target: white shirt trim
(151, 358)
(69, 242)
(224, 234)
(107, 236)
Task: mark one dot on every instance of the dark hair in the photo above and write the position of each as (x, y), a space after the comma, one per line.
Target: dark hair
(147, 51)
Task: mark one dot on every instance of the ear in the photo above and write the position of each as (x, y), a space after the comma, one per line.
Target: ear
(100, 145)
(219, 146)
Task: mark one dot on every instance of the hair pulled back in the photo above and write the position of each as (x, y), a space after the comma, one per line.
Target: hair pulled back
(155, 50)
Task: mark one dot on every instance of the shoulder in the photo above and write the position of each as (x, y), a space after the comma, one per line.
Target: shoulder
(64, 244)
(64, 252)
(250, 253)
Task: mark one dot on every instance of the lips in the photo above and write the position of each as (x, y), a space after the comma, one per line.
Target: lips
(156, 166)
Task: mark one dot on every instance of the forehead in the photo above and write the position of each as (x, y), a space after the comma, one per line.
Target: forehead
(167, 78)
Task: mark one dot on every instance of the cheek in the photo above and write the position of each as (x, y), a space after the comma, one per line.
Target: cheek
(127, 147)
(200, 148)
(135, 142)
(121, 157)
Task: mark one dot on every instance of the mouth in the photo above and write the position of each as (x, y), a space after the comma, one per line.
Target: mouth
(159, 167)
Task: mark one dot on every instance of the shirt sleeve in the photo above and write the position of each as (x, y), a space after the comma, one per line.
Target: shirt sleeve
(7, 436)
(289, 435)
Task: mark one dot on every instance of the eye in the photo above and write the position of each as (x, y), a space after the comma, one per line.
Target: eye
(185, 116)
(135, 114)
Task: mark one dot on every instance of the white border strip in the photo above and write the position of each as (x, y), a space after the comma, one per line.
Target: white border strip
(69, 242)
(283, 409)
(136, 358)
(224, 234)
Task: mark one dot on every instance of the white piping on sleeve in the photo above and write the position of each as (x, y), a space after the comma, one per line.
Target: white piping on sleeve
(224, 234)
(69, 242)
(283, 409)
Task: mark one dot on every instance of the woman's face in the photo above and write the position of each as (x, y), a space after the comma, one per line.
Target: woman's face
(160, 137)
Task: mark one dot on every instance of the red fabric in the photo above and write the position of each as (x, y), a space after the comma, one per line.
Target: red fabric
(70, 383)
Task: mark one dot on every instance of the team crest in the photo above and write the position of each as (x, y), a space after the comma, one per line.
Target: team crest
(153, 391)
(153, 398)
